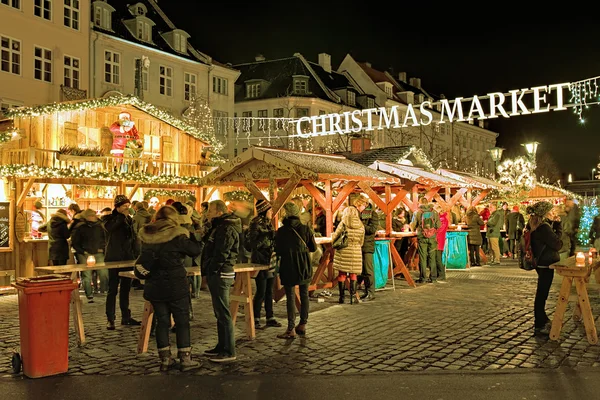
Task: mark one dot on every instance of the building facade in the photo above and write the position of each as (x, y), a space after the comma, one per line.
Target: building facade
(461, 145)
(292, 87)
(136, 49)
(44, 51)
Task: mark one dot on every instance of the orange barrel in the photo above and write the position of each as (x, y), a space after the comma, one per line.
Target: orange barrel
(44, 324)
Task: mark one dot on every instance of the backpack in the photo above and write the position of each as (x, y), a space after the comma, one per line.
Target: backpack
(428, 224)
(529, 261)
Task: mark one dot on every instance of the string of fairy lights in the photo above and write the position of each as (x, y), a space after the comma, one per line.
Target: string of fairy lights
(584, 94)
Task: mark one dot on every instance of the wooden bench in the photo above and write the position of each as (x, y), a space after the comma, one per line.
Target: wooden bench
(571, 272)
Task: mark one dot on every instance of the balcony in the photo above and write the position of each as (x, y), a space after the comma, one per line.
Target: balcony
(107, 164)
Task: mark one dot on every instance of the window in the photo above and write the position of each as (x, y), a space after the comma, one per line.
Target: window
(6, 105)
(12, 3)
(322, 112)
(144, 31)
(10, 55)
(102, 17)
(72, 14)
(247, 125)
(351, 98)
(300, 85)
(71, 72)
(370, 102)
(180, 43)
(189, 85)
(166, 80)
(220, 122)
(388, 90)
(252, 90)
(278, 113)
(42, 64)
(263, 113)
(152, 146)
(43, 9)
(144, 75)
(302, 112)
(112, 67)
(220, 85)
(235, 152)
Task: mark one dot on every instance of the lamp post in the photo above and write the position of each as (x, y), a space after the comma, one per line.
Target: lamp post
(593, 173)
(496, 154)
(531, 149)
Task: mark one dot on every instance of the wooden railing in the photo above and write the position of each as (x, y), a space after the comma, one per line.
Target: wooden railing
(51, 158)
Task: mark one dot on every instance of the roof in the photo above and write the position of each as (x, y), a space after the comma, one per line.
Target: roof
(397, 86)
(544, 191)
(394, 155)
(163, 25)
(471, 179)
(264, 163)
(418, 175)
(280, 77)
(45, 109)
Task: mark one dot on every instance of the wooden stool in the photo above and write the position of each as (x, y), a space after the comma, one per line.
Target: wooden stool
(242, 293)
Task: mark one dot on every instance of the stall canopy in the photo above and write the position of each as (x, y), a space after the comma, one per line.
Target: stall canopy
(472, 180)
(419, 175)
(404, 155)
(551, 193)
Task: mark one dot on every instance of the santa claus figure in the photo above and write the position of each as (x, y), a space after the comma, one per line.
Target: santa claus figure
(124, 132)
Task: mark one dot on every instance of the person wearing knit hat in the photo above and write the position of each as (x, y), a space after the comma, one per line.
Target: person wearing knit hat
(260, 242)
(291, 210)
(121, 245)
(515, 223)
(89, 239)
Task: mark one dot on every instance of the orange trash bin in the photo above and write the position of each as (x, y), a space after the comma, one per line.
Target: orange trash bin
(44, 324)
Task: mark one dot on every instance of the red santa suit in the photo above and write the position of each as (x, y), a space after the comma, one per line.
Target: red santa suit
(123, 131)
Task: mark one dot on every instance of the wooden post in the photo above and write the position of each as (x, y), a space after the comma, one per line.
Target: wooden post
(23, 192)
(388, 211)
(328, 209)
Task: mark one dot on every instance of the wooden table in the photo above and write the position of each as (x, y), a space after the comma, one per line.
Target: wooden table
(76, 306)
(242, 293)
(571, 272)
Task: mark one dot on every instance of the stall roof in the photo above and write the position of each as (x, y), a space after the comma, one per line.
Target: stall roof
(410, 155)
(418, 175)
(471, 180)
(264, 163)
(542, 191)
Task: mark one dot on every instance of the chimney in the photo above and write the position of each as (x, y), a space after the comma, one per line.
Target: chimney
(360, 145)
(416, 82)
(442, 96)
(259, 57)
(402, 76)
(368, 64)
(325, 61)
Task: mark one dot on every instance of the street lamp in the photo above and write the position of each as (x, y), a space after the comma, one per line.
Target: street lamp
(531, 149)
(593, 173)
(496, 154)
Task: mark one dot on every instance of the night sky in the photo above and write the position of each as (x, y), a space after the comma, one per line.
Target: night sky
(456, 55)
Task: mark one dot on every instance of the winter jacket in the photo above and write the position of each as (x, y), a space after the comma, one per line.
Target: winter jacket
(121, 239)
(89, 238)
(415, 225)
(140, 219)
(293, 243)
(221, 246)
(165, 245)
(550, 236)
(594, 230)
(321, 223)
(349, 259)
(515, 223)
(474, 222)
(441, 232)
(495, 224)
(370, 221)
(572, 221)
(260, 240)
(58, 234)
(77, 221)
(485, 216)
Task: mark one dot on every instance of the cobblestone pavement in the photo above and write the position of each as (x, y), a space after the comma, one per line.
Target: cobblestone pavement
(481, 319)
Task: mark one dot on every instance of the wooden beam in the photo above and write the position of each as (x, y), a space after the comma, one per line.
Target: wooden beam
(480, 197)
(252, 188)
(456, 197)
(315, 193)
(343, 195)
(400, 196)
(210, 193)
(328, 209)
(441, 201)
(24, 192)
(373, 196)
(388, 210)
(135, 189)
(285, 193)
(432, 192)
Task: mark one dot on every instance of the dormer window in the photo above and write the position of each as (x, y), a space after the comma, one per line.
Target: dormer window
(103, 15)
(419, 98)
(351, 98)
(144, 31)
(138, 9)
(387, 88)
(300, 84)
(180, 43)
(253, 90)
(370, 102)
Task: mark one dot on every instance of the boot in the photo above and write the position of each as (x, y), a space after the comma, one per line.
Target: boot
(369, 295)
(185, 360)
(353, 297)
(166, 361)
(301, 329)
(341, 288)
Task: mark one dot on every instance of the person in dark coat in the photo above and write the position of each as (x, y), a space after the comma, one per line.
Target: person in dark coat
(474, 239)
(165, 246)
(121, 245)
(572, 222)
(89, 239)
(220, 254)
(546, 233)
(260, 242)
(142, 217)
(293, 243)
(515, 223)
(58, 236)
(370, 220)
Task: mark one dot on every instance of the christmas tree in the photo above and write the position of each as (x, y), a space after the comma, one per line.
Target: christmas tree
(199, 115)
(587, 218)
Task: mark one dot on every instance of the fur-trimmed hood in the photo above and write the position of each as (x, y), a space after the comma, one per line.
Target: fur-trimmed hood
(162, 231)
(61, 216)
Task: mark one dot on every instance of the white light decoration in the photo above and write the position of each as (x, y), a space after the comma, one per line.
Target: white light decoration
(517, 172)
(583, 94)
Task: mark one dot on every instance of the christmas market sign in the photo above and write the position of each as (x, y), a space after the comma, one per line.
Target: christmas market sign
(539, 99)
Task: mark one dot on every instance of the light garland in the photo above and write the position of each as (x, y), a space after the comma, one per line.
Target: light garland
(587, 218)
(238, 195)
(518, 172)
(115, 101)
(33, 171)
(583, 93)
(168, 193)
(8, 135)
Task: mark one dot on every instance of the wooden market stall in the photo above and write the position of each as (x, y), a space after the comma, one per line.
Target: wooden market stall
(474, 183)
(262, 170)
(553, 194)
(87, 152)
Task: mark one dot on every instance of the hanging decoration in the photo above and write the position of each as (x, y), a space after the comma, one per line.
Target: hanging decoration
(168, 193)
(238, 195)
(518, 172)
(8, 135)
(583, 94)
(125, 137)
(587, 218)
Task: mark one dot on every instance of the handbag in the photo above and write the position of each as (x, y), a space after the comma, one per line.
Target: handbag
(341, 242)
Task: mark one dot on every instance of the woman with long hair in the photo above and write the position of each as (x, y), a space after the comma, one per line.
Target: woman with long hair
(348, 261)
